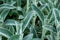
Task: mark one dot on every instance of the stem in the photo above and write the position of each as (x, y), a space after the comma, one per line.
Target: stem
(28, 5)
(17, 27)
(34, 19)
(33, 23)
(43, 33)
(21, 32)
(43, 30)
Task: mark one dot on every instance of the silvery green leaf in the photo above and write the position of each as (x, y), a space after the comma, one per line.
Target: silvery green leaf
(15, 37)
(20, 17)
(5, 32)
(7, 7)
(19, 8)
(4, 13)
(10, 22)
(27, 19)
(33, 30)
(56, 16)
(11, 28)
(49, 28)
(39, 13)
(28, 37)
(50, 18)
(48, 37)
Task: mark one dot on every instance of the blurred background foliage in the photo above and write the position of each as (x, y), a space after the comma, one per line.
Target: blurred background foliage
(29, 19)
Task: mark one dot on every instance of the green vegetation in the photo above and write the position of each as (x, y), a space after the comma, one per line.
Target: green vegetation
(29, 19)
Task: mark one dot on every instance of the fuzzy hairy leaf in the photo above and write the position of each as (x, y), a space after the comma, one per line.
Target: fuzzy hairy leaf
(39, 13)
(4, 13)
(27, 19)
(10, 22)
(5, 32)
